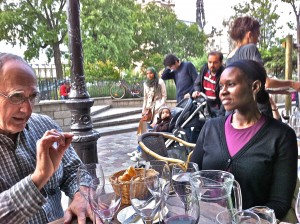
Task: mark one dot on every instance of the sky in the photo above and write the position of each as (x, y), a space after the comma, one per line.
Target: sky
(215, 12)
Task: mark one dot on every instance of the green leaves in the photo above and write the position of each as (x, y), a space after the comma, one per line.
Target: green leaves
(35, 24)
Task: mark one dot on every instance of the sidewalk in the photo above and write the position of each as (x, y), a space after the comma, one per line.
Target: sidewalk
(113, 149)
(112, 154)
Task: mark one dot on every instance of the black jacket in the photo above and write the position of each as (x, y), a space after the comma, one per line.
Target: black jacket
(198, 84)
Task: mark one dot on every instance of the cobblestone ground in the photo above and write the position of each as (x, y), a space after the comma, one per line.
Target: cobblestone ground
(113, 149)
(112, 154)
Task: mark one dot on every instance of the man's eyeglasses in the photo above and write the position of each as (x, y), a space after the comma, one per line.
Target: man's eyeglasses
(18, 97)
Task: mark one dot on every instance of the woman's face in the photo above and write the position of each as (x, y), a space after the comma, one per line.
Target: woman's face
(235, 91)
(150, 75)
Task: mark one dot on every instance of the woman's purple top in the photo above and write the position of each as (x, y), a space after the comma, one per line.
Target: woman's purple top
(237, 138)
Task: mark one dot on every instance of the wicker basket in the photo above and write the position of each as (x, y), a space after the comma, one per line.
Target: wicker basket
(125, 185)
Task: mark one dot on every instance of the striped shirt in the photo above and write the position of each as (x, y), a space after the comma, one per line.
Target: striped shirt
(209, 84)
(20, 200)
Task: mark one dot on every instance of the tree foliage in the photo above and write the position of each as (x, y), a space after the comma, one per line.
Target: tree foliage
(35, 24)
(126, 34)
(107, 27)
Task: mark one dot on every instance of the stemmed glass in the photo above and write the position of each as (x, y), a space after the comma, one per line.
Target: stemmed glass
(181, 173)
(161, 168)
(297, 206)
(266, 215)
(180, 207)
(145, 197)
(105, 198)
(85, 174)
(181, 180)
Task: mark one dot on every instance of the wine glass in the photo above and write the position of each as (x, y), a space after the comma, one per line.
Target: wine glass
(162, 169)
(143, 200)
(266, 215)
(105, 198)
(180, 207)
(237, 217)
(85, 174)
(297, 206)
(181, 173)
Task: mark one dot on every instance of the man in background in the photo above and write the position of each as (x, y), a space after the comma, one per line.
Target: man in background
(183, 73)
(208, 81)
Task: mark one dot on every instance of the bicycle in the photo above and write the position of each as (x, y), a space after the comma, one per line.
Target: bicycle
(118, 89)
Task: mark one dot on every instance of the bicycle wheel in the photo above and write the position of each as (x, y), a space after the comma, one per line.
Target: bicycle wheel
(117, 91)
(137, 90)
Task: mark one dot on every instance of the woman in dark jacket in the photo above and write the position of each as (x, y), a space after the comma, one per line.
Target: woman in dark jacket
(258, 150)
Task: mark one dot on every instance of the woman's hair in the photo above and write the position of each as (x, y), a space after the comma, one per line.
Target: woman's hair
(153, 82)
(253, 71)
(241, 25)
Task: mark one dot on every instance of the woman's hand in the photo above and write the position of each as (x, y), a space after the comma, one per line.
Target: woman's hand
(296, 86)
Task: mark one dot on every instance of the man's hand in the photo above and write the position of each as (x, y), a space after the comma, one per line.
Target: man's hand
(79, 208)
(50, 150)
(187, 95)
(195, 94)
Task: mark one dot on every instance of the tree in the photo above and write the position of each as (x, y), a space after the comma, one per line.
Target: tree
(159, 32)
(39, 24)
(107, 27)
(296, 11)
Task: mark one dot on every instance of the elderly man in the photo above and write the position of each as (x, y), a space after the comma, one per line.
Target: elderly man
(37, 161)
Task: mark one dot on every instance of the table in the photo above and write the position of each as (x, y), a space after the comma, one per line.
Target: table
(114, 221)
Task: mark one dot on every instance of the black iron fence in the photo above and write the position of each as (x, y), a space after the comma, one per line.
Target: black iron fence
(49, 85)
(49, 89)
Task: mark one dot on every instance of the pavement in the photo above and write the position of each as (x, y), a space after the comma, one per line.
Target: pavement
(113, 149)
(112, 154)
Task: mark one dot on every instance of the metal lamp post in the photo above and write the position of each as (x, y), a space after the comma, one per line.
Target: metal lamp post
(79, 102)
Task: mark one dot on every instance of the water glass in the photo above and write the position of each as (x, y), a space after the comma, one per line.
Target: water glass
(266, 215)
(162, 168)
(237, 217)
(180, 207)
(181, 173)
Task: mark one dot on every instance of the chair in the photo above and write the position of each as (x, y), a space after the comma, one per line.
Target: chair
(154, 148)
